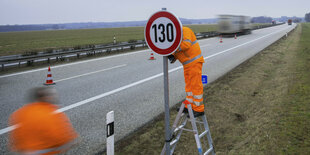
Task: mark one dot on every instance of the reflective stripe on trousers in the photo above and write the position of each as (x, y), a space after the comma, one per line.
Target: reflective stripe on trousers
(198, 99)
(189, 99)
(189, 93)
(193, 85)
(197, 103)
(197, 96)
(191, 60)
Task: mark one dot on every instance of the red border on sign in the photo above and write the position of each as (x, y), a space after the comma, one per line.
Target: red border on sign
(177, 25)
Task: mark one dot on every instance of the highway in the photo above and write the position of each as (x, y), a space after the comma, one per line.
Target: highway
(129, 84)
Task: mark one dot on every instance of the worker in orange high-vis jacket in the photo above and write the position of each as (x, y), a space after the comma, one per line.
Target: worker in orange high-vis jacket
(40, 129)
(189, 54)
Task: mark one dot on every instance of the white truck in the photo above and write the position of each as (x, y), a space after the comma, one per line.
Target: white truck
(232, 24)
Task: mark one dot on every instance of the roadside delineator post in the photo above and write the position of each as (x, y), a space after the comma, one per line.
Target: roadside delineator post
(221, 41)
(49, 78)
(235, 36)
(110, 133)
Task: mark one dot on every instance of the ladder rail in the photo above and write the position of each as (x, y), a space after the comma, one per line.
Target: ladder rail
(193, 122)
(176, 140)
(180, 112)
(176, 129)
(205, 124)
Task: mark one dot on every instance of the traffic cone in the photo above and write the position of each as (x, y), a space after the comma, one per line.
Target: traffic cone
(49, 79)
(235, 36)
(221, 41)
(152, 56)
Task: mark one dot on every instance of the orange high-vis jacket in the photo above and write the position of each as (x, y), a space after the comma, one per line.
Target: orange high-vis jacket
(189, 51)
(40, 128)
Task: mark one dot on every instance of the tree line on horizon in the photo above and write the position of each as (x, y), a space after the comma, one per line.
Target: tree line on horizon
(91, 25)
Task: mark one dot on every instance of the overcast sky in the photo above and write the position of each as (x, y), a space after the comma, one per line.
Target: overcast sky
(65, 11)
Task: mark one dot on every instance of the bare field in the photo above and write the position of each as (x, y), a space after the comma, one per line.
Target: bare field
(20, 42)
(261, 107)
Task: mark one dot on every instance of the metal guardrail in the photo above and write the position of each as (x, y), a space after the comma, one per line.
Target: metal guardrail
(265, 26)
(206, 34)
(59, 54)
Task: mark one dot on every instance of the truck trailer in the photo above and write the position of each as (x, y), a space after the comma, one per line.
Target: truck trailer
(233, 24)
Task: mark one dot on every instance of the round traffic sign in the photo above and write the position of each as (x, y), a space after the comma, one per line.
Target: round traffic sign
(163, 32)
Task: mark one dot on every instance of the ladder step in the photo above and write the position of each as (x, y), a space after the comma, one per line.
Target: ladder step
(199, 122)
(188, 130)
(174, 141)
(178, 128)
(208, 151)
(204, 133)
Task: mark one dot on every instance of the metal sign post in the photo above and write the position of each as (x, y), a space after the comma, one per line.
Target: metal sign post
(163, 34)
(167, 112)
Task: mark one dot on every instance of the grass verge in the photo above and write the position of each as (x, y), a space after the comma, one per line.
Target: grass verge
(261, 107)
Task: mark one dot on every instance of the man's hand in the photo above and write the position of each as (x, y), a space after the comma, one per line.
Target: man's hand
(171, 58)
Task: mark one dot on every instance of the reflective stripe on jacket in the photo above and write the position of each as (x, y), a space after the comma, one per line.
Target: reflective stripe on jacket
(189, 50)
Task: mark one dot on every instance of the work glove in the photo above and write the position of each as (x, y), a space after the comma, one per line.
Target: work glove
(171, 58)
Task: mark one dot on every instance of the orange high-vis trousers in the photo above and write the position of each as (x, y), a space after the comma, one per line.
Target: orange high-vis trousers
(193, 86)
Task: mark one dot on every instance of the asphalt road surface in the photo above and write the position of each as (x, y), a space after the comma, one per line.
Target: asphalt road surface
(129, 84)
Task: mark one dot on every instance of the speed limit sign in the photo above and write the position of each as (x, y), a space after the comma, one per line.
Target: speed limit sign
(163, 33)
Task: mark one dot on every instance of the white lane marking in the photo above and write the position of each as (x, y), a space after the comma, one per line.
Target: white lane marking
(114, 91)
(5, 130)
(74, 63)
(91, 73)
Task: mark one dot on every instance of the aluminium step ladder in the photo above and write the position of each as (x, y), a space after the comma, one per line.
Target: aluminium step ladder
(177, 130)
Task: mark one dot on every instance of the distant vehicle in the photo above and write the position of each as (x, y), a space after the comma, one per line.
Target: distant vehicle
(273, 22)
(232, 24)
(289, 22)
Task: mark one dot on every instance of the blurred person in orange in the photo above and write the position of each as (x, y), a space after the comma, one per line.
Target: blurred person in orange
(40, 128)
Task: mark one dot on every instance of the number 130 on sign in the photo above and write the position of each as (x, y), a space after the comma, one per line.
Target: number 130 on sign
(163, 32)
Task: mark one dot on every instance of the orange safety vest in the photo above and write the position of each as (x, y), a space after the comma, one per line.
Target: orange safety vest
(189, 50)
(40, 129)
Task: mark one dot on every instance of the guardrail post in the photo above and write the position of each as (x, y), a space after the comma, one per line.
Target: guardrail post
(110, 133)
(30, 62)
